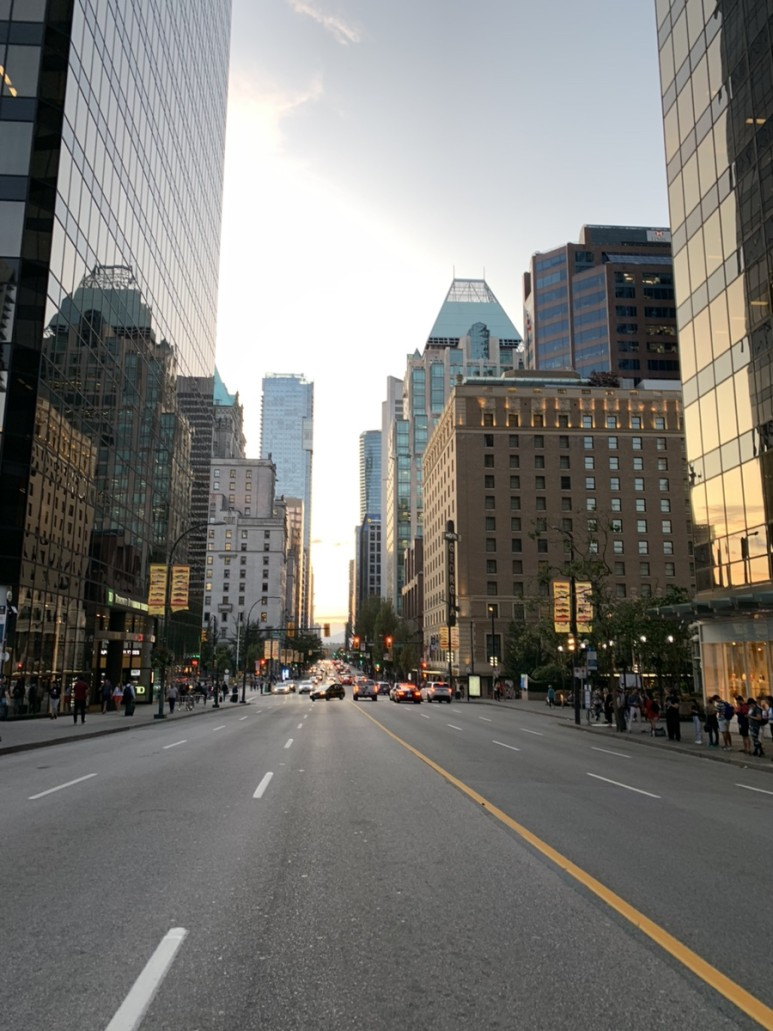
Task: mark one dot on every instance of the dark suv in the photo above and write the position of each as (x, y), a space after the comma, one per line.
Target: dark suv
(328, 691)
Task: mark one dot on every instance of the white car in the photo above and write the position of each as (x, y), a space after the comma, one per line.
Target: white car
(281, 688)
(304, 687)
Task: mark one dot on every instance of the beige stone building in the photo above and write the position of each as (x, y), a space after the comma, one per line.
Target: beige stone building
(535, 468)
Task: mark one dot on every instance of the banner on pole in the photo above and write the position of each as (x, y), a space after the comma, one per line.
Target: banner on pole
(178, 601)
(562, 606)
(157, 590)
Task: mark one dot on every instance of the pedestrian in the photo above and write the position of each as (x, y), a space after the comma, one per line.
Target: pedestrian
(550, 697)
(697, 721)
(725, 713)
(634, 709)
(19, 693)
(128, 699)
(651, 713)
(3, 702)
(80, 694)
(755, 726)
(107, 694)
(67, 696)
(620, 710)
(117, 696)
(171, 697)
(672, 716)
(742, 715)
(54, 694)
(609, 707)
(712, 720)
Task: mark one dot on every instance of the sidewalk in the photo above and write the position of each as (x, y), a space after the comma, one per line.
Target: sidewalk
(685, 747)
(24, 734)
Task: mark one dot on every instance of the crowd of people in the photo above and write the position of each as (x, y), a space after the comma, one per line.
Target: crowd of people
(632, 709)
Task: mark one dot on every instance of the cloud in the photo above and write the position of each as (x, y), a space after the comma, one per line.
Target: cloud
(344, 33)
(257, 110)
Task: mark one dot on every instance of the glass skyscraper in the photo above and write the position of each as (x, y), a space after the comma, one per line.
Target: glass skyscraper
(111, 171)
(287, 438)
(716, 64)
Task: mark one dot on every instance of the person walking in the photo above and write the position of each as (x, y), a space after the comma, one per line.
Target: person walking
(171, 697)
(712, 720)
(550, 697)
(697, 721)
(651, 713)
(54, 694)
(128, 699)
(117, 696)
(742, 715)
(80, 694)
(107, 694)
(672, 717)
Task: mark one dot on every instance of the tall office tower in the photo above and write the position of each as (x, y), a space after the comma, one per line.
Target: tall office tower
(717, 84)
(287, 438)
(472, 336)
(368, 533)
(605, 304)
(216, 420)
(111, 172)
(395, 493)
(370, 473)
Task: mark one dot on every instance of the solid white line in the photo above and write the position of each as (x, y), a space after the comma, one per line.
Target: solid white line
(263, 785)
(289, 742)
(184, 741)
(608, 752)
(453, 726)
(485, 718)
(59, 788)
(748, 787)
(537, 732)
(221, 727)
(135, 1005)
(626, 786)
(503, 745)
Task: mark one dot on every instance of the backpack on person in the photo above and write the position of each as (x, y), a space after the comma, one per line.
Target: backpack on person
(729, 711)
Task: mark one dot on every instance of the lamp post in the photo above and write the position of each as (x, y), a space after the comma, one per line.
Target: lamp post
(246, 642)
(450, 537)
(493, 657)
(160, 715)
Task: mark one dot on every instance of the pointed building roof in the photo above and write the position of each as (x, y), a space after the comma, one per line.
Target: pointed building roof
(220, 395)
(470, 302)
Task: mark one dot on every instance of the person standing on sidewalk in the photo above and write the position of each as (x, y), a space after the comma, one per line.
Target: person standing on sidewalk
(128, 699)
(712, 720)
(107, 693)
(742, 715)
(697, 721)
(755, 725)
(117, 697)
(80, 694)
(54, 694)
(171, 697)
(725, 713)
(672, 716)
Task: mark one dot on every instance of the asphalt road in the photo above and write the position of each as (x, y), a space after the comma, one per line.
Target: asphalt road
(318, 865)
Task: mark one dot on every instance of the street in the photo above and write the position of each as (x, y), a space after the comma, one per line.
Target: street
(321, 865)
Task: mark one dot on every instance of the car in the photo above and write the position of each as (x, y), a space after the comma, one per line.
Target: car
(384, 687)
(304, 687)
(405, 693)
(328, 691)
(438, 692)
(282, 687)
(365, 689)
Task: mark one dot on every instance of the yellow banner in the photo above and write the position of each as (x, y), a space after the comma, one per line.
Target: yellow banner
(562, 606)
(178, 601)
(157, 590)
(583, 593)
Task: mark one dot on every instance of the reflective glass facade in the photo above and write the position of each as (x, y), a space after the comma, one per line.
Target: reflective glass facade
(111, 167)
(716, 63)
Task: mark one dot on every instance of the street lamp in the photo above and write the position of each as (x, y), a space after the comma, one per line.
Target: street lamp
(246, 642)
(160, 715)
(493, 657)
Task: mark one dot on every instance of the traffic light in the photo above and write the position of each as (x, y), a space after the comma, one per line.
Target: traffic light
(356, 643)
(388, 642)
(326, 629)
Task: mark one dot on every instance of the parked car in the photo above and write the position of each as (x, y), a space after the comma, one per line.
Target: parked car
(365, 689)
(439, 691)
(328, 691)
(405, 693)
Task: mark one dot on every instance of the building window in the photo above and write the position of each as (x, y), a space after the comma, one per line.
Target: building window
(665, 505)
(620, 590)
(513, 419)
(641, 525)
(490, 523)
(563, 441)
(515, 483)
(517, 566)
(587, 443)
(645, 590)
(590, 482)
(611, 422)
(640, 504)
(515, 462)
(635, 422)
(589, 462)
(616, 525)
(488, 439)
(590, 504)
(614, 463)
(638, 483)
(542, 546)
(515, 503)
(491, 588)
(663, 484)
(491, 565)
(566, 504)
(563, 420)
(665, 526)
(539, 461)
(491, 544)
(612, 443)
(638, 465)
(644, 569)
(539, 440)
(489, 502)
(512, 440)
(537, 419)
(515, 522)
(663, 465)
(566, 483)
(587, 422)
(617, 548)
(615, 504)
(614, 483)
(619, 568)
(488, 461)
(636, 443)
(644, 548)
(539, 482)
(660, 444)
(563, 462)
(659, 422)
(668, 547)
(541, 504)
(488, 482)
(517, 589)
(566, 525)
(488, 418)
(670, 568)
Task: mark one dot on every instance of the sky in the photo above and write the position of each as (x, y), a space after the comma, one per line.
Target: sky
(377, 150)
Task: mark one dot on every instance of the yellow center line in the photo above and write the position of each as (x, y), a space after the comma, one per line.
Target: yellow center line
(710, 975)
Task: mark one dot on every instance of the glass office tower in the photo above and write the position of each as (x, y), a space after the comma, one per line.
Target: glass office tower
(112, 133)
(716, 62)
